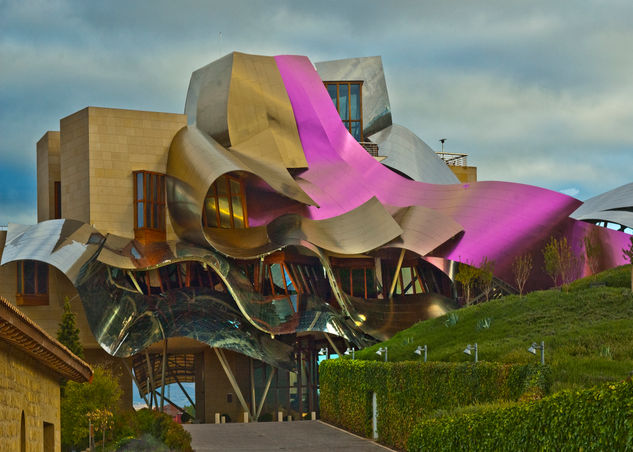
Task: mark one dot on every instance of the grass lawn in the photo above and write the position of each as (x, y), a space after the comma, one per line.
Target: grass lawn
(588, 331)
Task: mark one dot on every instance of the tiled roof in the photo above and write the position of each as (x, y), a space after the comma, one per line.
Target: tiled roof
(22, 333)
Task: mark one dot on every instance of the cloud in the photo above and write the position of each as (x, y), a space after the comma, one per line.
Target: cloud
(571, 191)
(535, 92)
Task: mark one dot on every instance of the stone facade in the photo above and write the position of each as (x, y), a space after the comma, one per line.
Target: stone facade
(26, 386)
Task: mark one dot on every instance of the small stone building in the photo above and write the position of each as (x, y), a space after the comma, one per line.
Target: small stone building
(32, 364)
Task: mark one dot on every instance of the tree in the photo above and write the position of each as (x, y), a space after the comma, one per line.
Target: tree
(560, 261)
(82, 400)
(522, 267)
(593, 250)
(68, 332)
(627, 253)
(467, 276)
(486, 270)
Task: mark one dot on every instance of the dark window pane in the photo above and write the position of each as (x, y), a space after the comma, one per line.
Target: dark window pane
(331, 89)
(29, 277)
(356, 130)
(42, 278)
(154, 187)
(343, 101)
(148, 215)
(20, 272)
(156, 224)
(354, 101)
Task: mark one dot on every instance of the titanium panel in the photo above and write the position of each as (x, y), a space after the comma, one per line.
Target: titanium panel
(615, 206)
(410, 155)
(375, 98)
(260, 118)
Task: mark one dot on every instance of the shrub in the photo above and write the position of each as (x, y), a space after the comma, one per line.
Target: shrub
(592, 419)
(407, 391)
(162, 427)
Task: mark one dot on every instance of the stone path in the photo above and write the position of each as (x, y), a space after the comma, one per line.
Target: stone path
(304, 436)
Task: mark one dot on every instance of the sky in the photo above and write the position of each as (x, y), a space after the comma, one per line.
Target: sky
(536, 92)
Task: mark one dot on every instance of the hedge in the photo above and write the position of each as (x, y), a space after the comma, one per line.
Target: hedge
(600, 418)
(407, 391)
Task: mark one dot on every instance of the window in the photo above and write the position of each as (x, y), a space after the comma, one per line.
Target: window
(347, 97)
(356, 277)
(58, 199)
(32, 283)
(149, 200)
(225, 205)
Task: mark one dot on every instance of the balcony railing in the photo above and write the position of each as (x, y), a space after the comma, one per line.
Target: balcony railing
(452, 159)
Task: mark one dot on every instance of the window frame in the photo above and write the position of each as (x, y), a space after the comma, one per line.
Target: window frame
(225, 179)
(36, 298)
(156, 204)
(349, 119)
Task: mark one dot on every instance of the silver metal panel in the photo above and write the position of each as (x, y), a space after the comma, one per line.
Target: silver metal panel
(208, 98)
(602, 207)
(407, 153)
(376, 107)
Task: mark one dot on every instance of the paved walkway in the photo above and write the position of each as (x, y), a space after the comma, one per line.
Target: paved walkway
(304, 436)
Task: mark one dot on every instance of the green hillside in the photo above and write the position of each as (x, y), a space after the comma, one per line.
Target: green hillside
(588, 331)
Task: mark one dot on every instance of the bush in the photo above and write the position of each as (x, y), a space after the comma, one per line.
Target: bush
(162, 427)
(592, 419)
(407, 391)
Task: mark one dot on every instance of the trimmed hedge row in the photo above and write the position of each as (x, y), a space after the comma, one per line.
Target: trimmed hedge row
(406, 391)
(599, 419)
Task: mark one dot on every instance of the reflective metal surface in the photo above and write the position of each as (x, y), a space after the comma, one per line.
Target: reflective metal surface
(615, 206)
(384, 318)
(410, 155)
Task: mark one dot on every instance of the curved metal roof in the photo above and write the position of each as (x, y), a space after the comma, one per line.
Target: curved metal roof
(615, 206)
(407, 153)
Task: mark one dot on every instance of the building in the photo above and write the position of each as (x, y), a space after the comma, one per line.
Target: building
(283, 214)
(32, 364)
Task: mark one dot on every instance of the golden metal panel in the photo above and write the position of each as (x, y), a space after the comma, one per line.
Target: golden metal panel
(261, 121)
(424, 229)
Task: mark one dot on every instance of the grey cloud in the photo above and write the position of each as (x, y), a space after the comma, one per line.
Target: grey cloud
(536, 92)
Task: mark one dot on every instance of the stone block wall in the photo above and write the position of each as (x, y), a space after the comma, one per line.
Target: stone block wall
(27, 387)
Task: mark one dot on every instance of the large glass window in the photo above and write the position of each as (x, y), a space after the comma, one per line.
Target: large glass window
(356, 277)
(149, 198)
(32, 283)
(225, 204)
(347, 97)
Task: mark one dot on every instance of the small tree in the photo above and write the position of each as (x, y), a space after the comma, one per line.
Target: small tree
(522, 267)
(593, 250)
(486, 270)
(560, 260)
(467, 276)
(68, 332)
(82, 400)
(627, 253)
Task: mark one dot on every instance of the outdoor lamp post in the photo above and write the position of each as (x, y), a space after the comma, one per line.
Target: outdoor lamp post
(469, 348)
(382, 350)
(534, 347)
(420, 349)
(350, 350)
